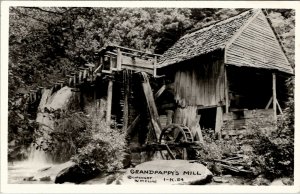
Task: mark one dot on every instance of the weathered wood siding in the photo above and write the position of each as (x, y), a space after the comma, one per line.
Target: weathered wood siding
(200, 84)
(257, 46)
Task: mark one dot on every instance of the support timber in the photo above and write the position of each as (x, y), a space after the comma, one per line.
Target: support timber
(274, 95)
(154, 117)
(126, 97)
(219, 121)
(109, 101)
(226, 92)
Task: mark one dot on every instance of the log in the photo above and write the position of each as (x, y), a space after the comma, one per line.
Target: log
(151, 105)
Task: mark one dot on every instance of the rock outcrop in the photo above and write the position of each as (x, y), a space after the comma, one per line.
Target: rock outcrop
(76, 174)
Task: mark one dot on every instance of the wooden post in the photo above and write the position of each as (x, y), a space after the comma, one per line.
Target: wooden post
(126, 105)
(119, 59)
(170, 114)
(74, 79)
(274, 95)
(151, 106)
(109, 101)
(269, 103)
(226, 92)
(219, 121)
(280, 110)
(79, 77)
(84, 74)
(70, 82)
(154, 68)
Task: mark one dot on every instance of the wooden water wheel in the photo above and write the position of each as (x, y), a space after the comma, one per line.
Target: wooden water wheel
(172, 136)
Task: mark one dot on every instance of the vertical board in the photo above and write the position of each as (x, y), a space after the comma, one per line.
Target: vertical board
(200, 84)
(257, 46)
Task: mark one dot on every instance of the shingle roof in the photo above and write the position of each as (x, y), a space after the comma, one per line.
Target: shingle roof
(205, 40)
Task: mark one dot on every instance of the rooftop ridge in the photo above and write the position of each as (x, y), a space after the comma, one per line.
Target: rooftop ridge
(221, 22)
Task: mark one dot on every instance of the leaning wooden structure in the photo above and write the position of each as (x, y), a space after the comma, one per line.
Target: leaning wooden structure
(227, 71)
(231, 71)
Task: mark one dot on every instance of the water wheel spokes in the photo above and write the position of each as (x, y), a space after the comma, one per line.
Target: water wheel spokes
(175, 134)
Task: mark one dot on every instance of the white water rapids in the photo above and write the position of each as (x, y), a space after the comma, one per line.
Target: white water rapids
(38, 164)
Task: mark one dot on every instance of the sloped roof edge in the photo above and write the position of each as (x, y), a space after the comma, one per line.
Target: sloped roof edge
(180, 57)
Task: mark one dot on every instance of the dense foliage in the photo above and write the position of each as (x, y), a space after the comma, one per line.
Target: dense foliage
(84, 137)
(68, 134)
(46, 43)
(105, 147)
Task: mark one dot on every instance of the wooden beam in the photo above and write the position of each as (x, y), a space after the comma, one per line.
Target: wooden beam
(160, 91)
(97, 69)
(137, 69)
(70, 82)
(269, 103)
(154, 117)
(155, 66)
(110, 63)
(280, 110)
(219, 121)
(274, 95)
(79, 77)
(84, 74)
(226, 91)
(126, 97)
(119, 59)
(109, 101)
(134, 50)
(170, 114)
(74, 79)
(137, 62)
(131, 129)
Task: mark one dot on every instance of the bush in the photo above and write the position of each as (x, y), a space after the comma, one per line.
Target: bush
(105, 147)
(84, 138)
(20, 129)
(212, 150)
(273, 151)
(62, 141)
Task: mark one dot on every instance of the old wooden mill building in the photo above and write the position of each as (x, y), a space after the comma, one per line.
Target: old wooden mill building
(222, 72)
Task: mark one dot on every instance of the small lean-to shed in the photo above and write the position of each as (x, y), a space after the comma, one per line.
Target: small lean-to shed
(226, 70)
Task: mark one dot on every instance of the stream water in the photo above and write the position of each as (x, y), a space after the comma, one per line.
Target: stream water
(20, 170)
(38, 164)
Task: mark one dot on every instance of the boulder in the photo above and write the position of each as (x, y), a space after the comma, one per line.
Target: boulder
(218, 179)
(260, 180)
(282, 182)
(51, 171)
(76, 174)
(277, 182)
(31, 178)
(46, 178)
(172, 172)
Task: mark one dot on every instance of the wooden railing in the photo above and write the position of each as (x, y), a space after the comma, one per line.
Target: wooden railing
(116, 58)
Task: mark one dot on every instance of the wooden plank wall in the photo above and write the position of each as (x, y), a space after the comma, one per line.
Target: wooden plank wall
(200, 83)
(257, 46)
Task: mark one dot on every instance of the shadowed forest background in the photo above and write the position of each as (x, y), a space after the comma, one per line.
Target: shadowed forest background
(48, 43)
